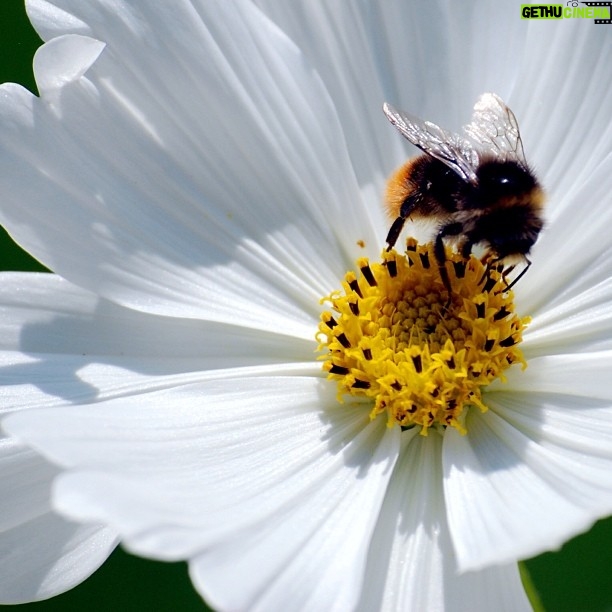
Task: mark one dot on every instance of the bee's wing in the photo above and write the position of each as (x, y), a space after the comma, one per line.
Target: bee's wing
(495, 130)
(455, 151)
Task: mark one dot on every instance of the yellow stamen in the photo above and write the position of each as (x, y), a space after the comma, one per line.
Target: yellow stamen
(396, 336)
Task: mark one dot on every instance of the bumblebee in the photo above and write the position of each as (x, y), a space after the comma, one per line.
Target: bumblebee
(477, 187)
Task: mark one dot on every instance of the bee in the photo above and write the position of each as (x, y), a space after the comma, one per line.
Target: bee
(477, 187)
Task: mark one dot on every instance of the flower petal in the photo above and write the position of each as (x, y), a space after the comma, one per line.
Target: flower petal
(571, 154)
(204, 186)
(252, 479)
(583, 376)
(50, 19)
(435, 57)
(580, 323)
(411, 565)
(573, 253)
(559, 122)
(532, 472)
(64, 60)
(58, 342)
(41, 554)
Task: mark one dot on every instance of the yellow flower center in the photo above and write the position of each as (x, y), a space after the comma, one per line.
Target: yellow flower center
(396, 336)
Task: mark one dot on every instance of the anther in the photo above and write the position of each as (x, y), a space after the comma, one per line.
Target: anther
(343, 340)
(391, 265)
(501, 313)
(459, 268)
(367, 274)
(491, 282)
(330, 322)
(354, 285)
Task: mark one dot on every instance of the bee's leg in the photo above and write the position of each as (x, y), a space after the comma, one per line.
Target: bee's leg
(452, 229)
(466, 249)
(408, 206)
(518, 278)
(505, 272)
(490, 264)
(394, 232)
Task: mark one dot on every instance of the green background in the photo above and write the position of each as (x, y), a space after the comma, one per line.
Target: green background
(578, 578)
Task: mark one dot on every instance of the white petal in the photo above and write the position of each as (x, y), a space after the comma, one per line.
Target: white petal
(531, 473)
(580, 323)
(433, 58)
(582, 376)
(313, 557)
(343, 42)
(572, 159)
(58, 343)
(49, 555)
(51, 20)
(41, 554)
(62, 61)
(573, 253)
(212, 189)
(564, 152)
(266, 489)
(25, 480)
(411, 565)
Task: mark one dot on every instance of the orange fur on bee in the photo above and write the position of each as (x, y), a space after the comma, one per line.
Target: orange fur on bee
(399, 186)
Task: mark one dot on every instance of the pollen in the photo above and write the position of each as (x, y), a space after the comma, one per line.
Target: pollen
(393, 334)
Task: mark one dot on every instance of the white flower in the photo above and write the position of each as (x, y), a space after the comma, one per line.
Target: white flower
(202, 178)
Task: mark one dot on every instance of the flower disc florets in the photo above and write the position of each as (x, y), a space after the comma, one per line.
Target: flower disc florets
(395, 335)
